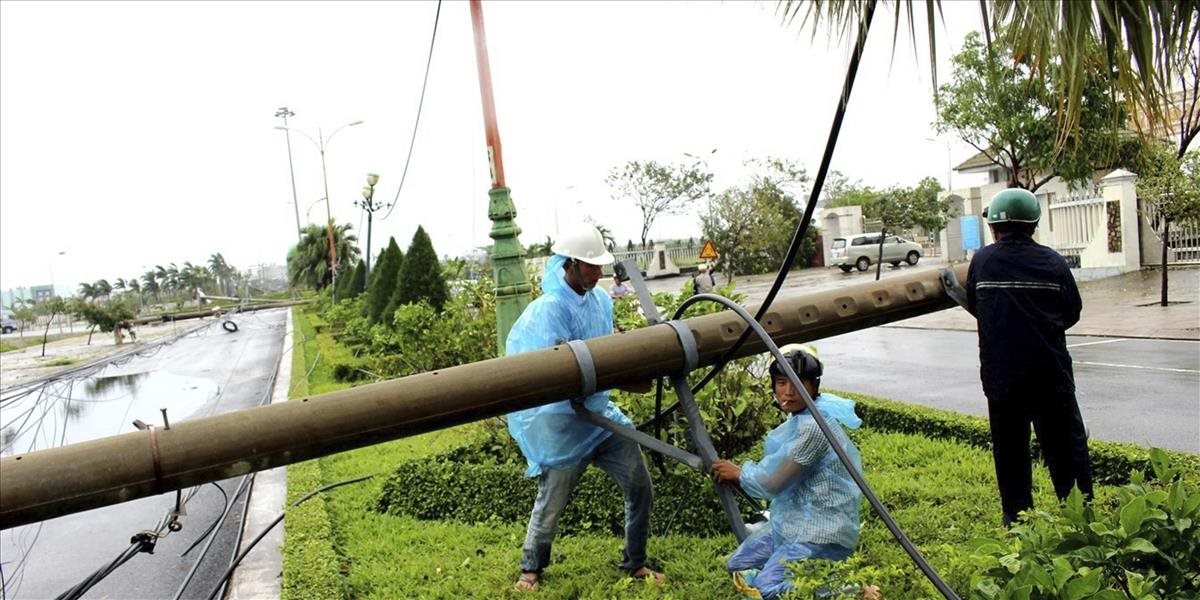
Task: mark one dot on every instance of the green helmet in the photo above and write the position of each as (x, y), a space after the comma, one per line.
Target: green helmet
(1014, 205)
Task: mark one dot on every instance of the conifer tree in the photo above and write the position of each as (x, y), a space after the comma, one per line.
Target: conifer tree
(358, 282)
(421, 276)
(383, 281)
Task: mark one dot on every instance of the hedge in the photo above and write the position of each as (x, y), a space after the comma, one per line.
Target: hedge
(436, 488)
(1112, 462)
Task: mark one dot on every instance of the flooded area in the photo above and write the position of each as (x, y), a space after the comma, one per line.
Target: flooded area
(73, 411)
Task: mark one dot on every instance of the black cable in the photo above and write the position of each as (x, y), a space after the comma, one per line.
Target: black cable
(754, 327)
(802, 228)
(241, 555)
(225, 501)
(420, 104)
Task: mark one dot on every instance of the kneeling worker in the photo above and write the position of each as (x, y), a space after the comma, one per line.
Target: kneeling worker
(813, 500)
(557, 443)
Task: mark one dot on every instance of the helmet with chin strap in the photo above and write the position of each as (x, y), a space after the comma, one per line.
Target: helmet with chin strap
(803, 360)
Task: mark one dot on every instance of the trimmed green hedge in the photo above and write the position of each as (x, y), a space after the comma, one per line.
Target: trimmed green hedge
(1112, 462)
(452, 490)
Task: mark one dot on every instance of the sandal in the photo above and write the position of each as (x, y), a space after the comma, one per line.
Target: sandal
(649, 575)
(527, 582)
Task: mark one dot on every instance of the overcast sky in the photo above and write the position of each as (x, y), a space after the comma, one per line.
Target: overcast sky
(142, 133)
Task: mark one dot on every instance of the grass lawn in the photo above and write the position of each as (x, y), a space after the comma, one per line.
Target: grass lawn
(941, 492)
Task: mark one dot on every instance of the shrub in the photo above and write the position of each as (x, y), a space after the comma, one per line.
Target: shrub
(1112, 462)
(1144, 544)
(439, 489)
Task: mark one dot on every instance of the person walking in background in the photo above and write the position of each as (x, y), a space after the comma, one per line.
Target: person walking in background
(703, 281)
(618, 289)
(1024, 298)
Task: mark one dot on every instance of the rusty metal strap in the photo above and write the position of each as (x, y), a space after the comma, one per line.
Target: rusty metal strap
(158, 483)
(587, 367)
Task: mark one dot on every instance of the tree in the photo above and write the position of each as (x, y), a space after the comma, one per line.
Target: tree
(383, 281)
(1171, 186)
(224, 273)
(150, 284)
(997, 105)
(540, 248)
(658, 189)
(753, 224)
(87, 291)
(900, 209)
(1141, 42)
(52, 307)
(420, 276)
(358, 281)
(308, 260)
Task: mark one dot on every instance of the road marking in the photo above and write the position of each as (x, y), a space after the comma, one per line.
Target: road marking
(1099, 364)
(1099, 342)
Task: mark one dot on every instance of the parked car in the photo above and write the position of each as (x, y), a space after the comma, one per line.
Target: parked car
(8, 325)
(861, 251)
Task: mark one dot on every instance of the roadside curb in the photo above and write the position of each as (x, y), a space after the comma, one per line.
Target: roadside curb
(260, 574)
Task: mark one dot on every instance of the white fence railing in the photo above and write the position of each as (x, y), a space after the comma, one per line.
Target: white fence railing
(1074, 222)
(682, 255)
(1184, 244)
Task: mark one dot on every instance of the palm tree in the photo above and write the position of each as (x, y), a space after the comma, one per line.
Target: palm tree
(102, 288)
(222, 271)
(87, 291)
(308, 260)
(1142, 41)
(150, 284)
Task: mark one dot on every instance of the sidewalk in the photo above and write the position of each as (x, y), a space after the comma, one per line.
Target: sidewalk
(1122, 306)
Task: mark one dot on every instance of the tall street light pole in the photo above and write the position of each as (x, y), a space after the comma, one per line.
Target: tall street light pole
(321, 145)
(513, 291)
(285, 113)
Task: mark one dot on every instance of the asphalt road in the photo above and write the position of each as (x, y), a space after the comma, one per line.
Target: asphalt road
(1142, 391)
(199, 375)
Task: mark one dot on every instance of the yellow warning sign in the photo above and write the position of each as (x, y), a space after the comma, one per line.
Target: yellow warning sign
(709, 251)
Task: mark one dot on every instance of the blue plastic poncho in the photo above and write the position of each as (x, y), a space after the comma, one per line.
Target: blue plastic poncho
(813, 499)
(553, 435)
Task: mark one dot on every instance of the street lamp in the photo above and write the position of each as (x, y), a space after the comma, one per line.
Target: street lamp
(321, 145)
(285, 113)
(368, 204)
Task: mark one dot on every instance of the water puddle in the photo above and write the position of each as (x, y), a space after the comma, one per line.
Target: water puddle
(79, 410)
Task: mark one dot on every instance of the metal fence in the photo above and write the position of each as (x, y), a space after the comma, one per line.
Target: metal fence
(1184, 243)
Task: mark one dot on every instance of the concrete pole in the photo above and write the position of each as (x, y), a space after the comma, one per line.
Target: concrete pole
(50, 483)
(513, 291)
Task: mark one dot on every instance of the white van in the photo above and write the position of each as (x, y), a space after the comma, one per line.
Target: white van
(7, 323)
(860, 251)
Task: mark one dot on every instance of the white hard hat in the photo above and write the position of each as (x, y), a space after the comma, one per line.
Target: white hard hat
(583, 243)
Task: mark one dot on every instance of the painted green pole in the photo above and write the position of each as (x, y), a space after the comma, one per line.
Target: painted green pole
(508, 255)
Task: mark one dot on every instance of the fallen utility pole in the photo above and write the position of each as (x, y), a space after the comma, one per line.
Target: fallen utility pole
(216, 311)
(50, 483)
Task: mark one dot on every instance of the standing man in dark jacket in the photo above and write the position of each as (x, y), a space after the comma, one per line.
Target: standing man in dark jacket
(1024, 298)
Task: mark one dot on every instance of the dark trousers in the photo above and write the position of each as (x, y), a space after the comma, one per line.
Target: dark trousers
(1060, 433)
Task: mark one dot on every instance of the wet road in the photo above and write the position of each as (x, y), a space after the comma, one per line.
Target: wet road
(206, 373)
(1141, 391)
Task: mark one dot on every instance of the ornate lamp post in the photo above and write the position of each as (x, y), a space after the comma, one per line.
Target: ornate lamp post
(368, 204)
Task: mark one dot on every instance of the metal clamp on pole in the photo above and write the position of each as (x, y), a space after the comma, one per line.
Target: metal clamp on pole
(587, 376)
(953, 289)
(699, 433)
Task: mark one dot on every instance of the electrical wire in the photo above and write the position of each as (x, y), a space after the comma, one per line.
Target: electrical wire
(754, 327)
(420, 104)
(806, 219)
(241, 555)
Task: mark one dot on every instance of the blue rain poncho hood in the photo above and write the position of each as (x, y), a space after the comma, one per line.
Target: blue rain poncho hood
(552, 436)
(813, 498)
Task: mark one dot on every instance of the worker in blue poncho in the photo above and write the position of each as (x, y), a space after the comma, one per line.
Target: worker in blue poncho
(557, 444)
(813, 500)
